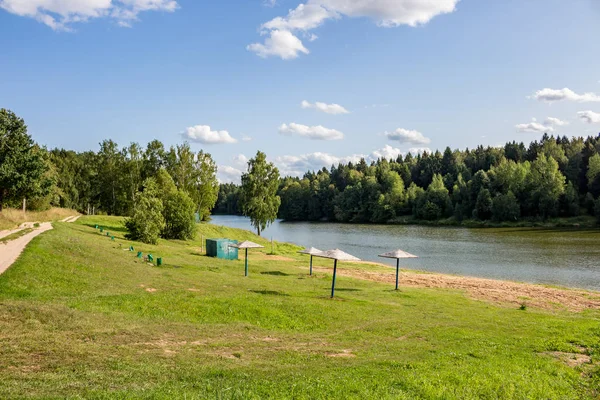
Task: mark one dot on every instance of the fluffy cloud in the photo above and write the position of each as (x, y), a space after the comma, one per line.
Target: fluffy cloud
(203, 134)
(314, 13)
(60, 14)
(279, 43)
(536, 127)
(589, 116)
(299, 165)
(334, 109)
(312, 132)
(551, 121)
(226, 174)
(552, 95)
(407, 136)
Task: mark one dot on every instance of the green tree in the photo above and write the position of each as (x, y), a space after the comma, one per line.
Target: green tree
(206, 188)
(484, 204)
(505, 207)
(259, 192)
(593, 175)
(546, 185)
(22, 164)
(597, 209)
(179, 217)
(147, 221)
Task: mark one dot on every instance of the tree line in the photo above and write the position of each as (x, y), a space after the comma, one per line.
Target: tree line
(162, 191)
(553, 177)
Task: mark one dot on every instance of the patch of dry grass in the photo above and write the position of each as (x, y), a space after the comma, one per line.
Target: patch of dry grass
(12, 218)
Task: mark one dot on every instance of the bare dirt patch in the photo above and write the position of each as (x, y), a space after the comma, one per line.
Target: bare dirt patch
(571, 359)
(343, 353)
(150, 290)
(495, 291)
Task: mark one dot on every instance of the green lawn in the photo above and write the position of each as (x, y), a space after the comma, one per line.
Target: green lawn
(82, 318)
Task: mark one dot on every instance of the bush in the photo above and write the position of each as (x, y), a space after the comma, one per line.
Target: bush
(597, 209)
(178, 212)
(147, 221)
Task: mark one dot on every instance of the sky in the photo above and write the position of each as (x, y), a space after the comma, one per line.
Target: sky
(311, 83)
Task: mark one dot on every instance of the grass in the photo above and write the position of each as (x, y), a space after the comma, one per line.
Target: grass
(82, 318)
(11, 217)
(16, 235)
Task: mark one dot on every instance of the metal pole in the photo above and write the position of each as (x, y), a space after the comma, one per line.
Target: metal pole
(311, 264)
(246, 262)
(333, 283)
(397, 271)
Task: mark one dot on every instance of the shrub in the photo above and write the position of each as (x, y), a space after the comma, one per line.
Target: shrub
(147, 221)
(178, 212)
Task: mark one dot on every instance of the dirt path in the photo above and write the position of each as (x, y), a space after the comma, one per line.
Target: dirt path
(495, 291)
(9, 252)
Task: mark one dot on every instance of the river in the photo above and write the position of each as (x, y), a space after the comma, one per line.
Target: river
(561, 257)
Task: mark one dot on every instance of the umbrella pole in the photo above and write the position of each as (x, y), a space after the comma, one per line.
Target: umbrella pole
(311, 264)
(397, 271)
(246, 274)
(333, 283)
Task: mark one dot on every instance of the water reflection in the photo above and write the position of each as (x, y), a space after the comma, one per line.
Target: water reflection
(561, 257)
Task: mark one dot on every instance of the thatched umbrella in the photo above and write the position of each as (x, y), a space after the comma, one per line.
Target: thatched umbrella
(246, 245)
(336, 255)
(312, 252)
(397, 254)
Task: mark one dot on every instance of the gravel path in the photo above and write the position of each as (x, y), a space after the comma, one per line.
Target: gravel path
(10, 251)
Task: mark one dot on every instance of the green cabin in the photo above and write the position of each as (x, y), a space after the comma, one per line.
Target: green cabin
(219, 248)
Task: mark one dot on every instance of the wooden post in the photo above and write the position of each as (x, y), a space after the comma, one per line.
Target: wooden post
(333, 282)
(24, 205)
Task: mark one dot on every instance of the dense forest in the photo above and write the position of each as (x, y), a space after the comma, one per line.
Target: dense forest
(553, 177)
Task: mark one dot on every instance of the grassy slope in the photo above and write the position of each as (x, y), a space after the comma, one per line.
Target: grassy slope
(11, 218)
(76, 319)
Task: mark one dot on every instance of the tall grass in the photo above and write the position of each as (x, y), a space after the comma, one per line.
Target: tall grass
(12, 218)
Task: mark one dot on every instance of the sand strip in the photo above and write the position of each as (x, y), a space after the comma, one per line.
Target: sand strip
(10, 251)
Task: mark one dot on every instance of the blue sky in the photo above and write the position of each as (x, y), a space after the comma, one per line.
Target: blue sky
(411, 74)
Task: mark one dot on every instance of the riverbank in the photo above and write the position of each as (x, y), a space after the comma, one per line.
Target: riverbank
(81, 316)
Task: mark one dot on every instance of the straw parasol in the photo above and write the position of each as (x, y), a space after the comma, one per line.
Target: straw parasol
(397, 255)
(312, 252)
(336, 255)
(246, 245)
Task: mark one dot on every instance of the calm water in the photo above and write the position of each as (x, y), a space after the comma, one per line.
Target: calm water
(560, 257)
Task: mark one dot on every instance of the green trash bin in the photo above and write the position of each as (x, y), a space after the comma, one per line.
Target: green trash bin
(107, 233)
(131, 248)
(101, 230)
(96, 227)
(140, 254)
(150, 258)
(112, 238)
(158, 262)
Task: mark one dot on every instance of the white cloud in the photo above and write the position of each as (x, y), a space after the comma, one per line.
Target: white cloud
(408, 136)
(299, 165)
(536, 127)
(281, 44)
(61, 14)
(312, 132)
(246, 138)
(203, 134)
(589, 116)
(388, 152)
(313, 13)
(334, 109)
(227, 174)
(551, 121)
(419, 150)
(240, 161)
(552, 95)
